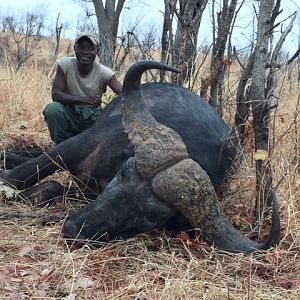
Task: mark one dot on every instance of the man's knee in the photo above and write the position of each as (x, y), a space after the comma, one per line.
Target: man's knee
(53, 110)
(58, 121)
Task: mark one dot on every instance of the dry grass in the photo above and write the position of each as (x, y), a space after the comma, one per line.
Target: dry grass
(35, 263)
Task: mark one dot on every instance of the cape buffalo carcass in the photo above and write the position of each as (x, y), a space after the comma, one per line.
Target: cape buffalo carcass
(157, 153)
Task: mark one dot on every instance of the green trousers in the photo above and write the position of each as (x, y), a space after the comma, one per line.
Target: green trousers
(64, 121)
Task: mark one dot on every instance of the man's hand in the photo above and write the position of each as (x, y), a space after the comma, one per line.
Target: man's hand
(92, 101)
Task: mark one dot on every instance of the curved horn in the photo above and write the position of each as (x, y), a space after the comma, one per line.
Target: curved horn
(134, 104)
(156, 146)
(132, 80)
(187, 187)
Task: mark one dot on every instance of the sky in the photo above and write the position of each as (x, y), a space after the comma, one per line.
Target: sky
(149, 13)
(143, 12)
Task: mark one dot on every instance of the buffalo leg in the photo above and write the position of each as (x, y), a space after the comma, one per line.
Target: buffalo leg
(11, 159)
(62, 156)
(43, 194)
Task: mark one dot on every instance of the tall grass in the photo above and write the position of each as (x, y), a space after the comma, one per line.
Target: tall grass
(23, 97)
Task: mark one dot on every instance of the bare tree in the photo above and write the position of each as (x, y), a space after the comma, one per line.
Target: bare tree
(3, 23)
(88, 22)
(261, 107)
(258, 99)
(135, 45)
(108, 16)
(221, 33)
(185, 45)
(261, 103)
(26, 34)
(125, 42)
(58, 31)
(167, 41)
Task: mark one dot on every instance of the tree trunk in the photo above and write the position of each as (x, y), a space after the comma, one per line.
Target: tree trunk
(261, 110)
(185, 45)
(217, 67)
(242, 104)
(167, 36)
(108, 22)
(257, 100)
(58, 30)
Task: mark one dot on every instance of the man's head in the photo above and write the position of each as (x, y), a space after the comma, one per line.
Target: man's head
(86, 47)
(89, 35)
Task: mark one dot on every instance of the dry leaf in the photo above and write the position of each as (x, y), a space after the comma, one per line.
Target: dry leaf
(271, 258)
(183, 236)
(288, 283)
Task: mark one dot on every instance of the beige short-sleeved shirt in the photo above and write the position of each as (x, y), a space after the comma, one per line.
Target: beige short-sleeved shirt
(92, 84)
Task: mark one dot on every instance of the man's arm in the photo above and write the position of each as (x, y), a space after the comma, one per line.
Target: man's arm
(59, 94)
(115, 85)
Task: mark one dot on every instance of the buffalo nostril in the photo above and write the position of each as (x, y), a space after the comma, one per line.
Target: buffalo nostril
(72, 234)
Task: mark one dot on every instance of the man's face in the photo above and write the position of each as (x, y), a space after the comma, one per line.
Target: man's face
(85, 51)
